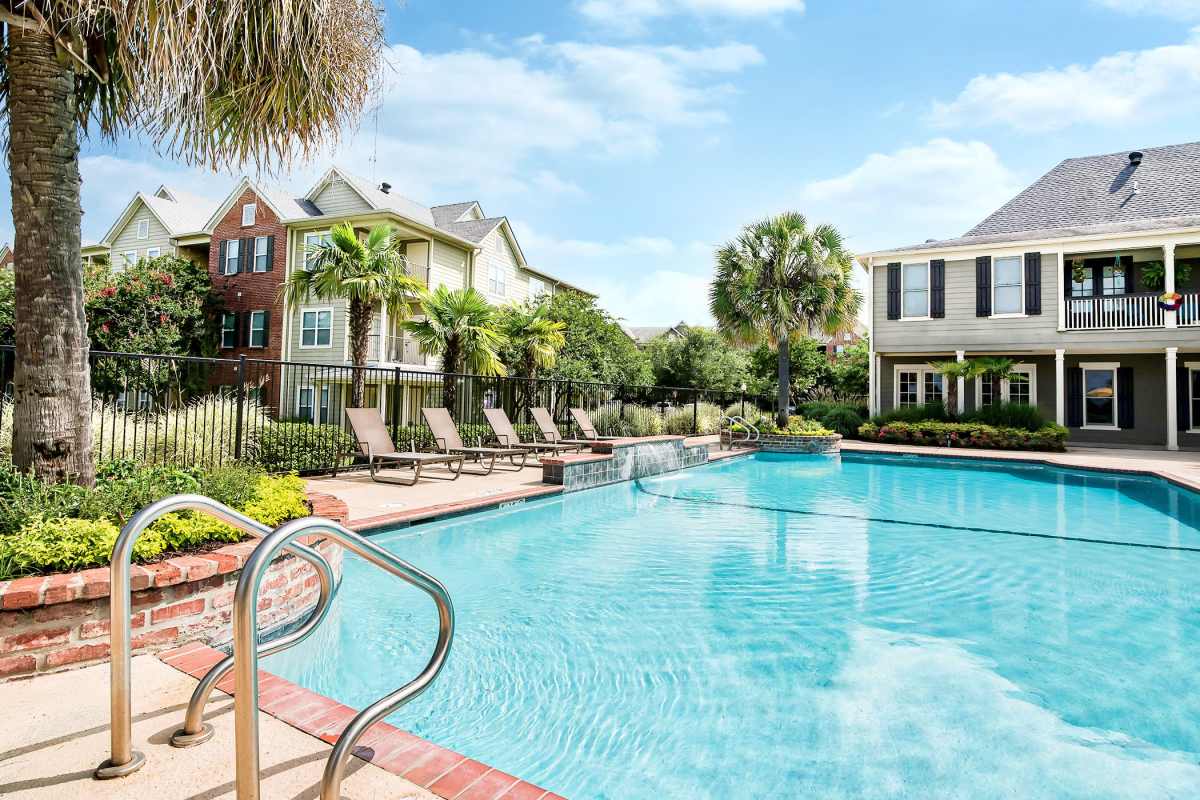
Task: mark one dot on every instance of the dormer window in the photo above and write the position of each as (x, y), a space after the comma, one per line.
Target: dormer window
(143, 229)
(248, 214)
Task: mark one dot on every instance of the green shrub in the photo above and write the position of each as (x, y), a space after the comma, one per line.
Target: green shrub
(751, 413)
(841, 419)
(420, 437)
(1051, 437)
(930, 411)
(797, 426)
(684, 421)
(301, 447)
(60, 545)
(819, 409)
(1007, 415)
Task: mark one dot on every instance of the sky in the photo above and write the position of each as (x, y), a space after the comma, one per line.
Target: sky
(627, 139)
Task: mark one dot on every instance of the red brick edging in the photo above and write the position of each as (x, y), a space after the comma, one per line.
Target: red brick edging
(444, 772)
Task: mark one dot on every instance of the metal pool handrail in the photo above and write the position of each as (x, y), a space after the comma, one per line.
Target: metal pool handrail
(245, 621)
(752, 433)
(123, 759)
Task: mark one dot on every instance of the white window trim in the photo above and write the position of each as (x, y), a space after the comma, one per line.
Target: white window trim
(921, 369)
(317, 310)
(304, 254)
(143, 229)
(928, 292)
(322, 399)
(252, 210)
(225, 266)
(1021, 274)
(254, 255)
(153, 252)
(250, 334)
(1028, 369)
(1190, 367)
(1101, 366)
(222, 344)
(310, 387)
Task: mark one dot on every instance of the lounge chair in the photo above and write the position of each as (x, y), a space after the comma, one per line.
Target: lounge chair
(587, 428)
(376, 444)
(507, 435)
(545, 423)
(448, 441)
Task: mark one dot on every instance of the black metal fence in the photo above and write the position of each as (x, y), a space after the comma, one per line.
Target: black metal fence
(288, 415)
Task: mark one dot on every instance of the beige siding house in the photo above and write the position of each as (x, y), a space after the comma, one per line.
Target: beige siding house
(1089, 279)
(167, 222)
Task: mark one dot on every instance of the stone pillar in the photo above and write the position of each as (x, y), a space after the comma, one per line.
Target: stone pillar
(1169, 317)
(1060, 387)
(1172, 408)
(961, 355)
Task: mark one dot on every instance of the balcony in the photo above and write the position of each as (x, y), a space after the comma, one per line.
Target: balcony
(1127, 311)
(396, 350)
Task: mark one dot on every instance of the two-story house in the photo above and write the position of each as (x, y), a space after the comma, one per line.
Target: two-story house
(168, 222)
(1089, 280)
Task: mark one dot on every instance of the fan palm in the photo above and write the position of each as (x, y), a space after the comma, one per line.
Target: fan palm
(779, 280)
(460, 326)
(535, 339)
(951, 371)
(365, 273)
(214, 83)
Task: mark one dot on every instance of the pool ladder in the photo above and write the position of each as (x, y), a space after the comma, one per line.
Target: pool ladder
(124, 760)
(751, 432)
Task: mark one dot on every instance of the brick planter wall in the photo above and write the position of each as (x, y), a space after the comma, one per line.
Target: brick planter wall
(53, 622)
(772, 443)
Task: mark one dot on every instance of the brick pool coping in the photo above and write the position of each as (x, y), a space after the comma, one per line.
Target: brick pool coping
(443, 772)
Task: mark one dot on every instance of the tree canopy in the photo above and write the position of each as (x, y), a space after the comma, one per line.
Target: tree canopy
(596, 348)
(700, 358)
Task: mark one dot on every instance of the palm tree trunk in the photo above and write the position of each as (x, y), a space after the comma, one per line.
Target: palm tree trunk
(52, 431)
(785, 382)
(449, 378)
(360, 338)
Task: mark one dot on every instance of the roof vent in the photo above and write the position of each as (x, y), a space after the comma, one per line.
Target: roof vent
(1135, 157)
(385, 187)
(928, 241)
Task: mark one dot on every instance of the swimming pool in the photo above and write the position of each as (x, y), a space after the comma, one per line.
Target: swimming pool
(803, 626)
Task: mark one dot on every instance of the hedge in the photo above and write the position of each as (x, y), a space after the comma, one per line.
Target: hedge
(1052, 438)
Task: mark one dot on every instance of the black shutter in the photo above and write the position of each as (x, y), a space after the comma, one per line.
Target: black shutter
(893, 291)
(983, 286)
(237, 328)
(937, 288)
(245, 315)
(1033, 283)
(270, 253)
(1075, 397)
(1183, 408)
(247, 254)
(221, 258)
(1067, 277)
(266, 327)
(1125, 397)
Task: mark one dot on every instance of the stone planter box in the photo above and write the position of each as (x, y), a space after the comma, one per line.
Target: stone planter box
(54, 622)
(774, 443)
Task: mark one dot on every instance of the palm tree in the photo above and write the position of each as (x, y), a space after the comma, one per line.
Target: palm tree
(951, 371)
(781, 279)
(460, 326)
(366, 273)
(535, 339)
(215, 83)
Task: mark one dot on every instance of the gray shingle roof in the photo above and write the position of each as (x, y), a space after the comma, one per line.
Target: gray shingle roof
(473, 230)
(1099, 190)
(449, 213)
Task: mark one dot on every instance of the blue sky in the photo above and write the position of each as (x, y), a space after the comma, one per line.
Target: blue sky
(626, 139)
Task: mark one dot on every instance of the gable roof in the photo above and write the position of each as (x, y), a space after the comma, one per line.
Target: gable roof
(186, 214)
(376, 198)
(453, 212)
(474, 230)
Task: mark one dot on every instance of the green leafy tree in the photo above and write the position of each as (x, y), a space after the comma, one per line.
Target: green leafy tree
(213, 83)
(779, 280)
(367, 273)
(852, 370)
(809, 369)
(597, 348)
(700, 358)
(462, 328)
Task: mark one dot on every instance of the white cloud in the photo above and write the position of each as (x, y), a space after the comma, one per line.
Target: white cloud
(935, 190)
(1175, 9)
(631, 16)
(1142, 83)
(109, 183)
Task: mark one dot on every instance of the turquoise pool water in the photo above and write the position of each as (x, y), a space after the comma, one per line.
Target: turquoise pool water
(803, 626)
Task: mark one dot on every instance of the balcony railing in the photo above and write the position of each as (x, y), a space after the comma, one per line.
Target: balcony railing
(396, 349)
(1113, 312)
(1189, 309)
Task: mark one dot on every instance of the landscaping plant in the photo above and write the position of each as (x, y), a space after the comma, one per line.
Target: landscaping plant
(1050, 437)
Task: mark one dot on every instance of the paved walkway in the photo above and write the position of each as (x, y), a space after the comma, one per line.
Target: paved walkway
(55, 732)
(1179, 467)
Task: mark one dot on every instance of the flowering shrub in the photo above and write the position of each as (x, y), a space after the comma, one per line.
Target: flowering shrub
(797, 426)
(1051, 437)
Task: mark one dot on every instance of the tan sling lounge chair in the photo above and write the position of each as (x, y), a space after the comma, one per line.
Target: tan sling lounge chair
(545, 423)
(376, 444)
(508, 437)
(586, 427)
(448, 441)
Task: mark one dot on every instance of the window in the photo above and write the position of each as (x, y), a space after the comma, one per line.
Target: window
(537, 287)
(304, 403)
(1193, 374)
(498, 275)
(248, 214)
(1021, 388)
(1113, 280)
(260, 254)
(316, 327)
(311, 242)
(231, 256)
(1007, 290)
(143, 229)
(258, 328)
(917, 385)
(130, 258)
(228, 330)
(153, 252)
(839, 349)
(1099, 395)
(915, 290)
(1083, 288)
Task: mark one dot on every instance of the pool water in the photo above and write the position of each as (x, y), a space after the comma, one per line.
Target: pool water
(802, 626)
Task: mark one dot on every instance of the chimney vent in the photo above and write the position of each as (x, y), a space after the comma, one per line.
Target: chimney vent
(1135, 157)
(385, 187)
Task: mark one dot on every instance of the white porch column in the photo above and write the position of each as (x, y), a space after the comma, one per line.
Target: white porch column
(872, 381)
(1169, 285)
(961, 355)
(876, 402)
(1060, 399)
(1172, 409)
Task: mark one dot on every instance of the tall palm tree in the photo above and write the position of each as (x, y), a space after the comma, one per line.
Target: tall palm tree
(951, 371)
(781, 279)
(535, 339)
(366, 273)
(460, 326)
(214, 83)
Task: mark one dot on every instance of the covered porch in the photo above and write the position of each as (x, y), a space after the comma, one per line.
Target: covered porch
(1122, 287)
